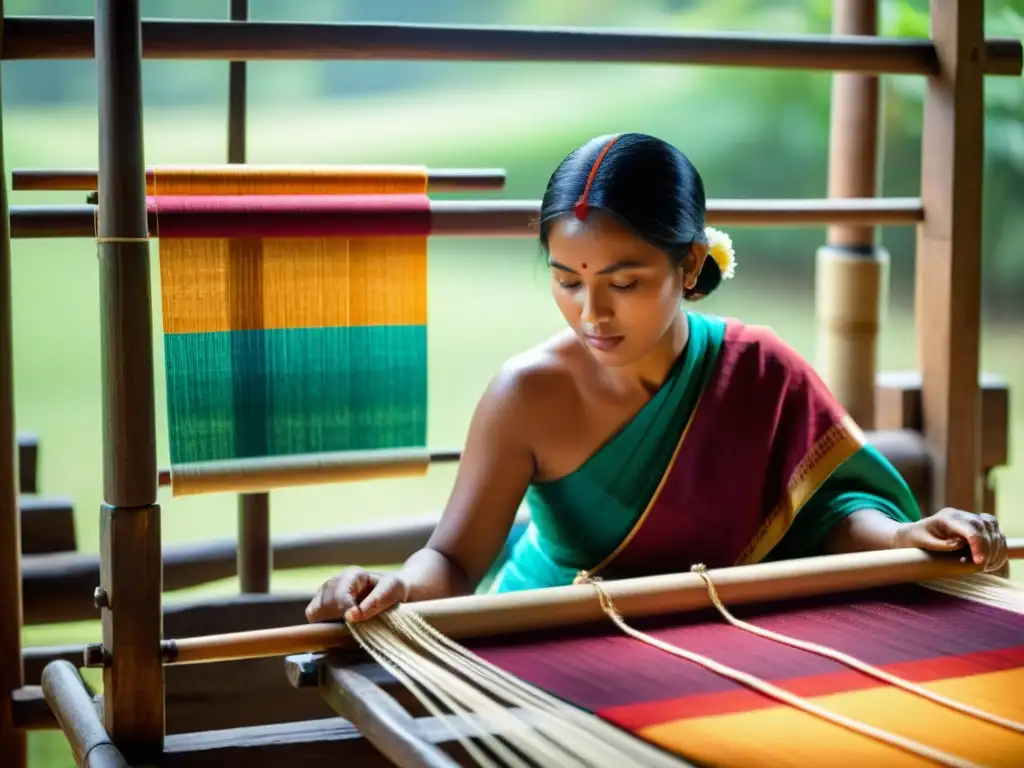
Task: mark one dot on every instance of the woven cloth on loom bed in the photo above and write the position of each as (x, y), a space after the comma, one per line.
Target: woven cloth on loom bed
(967, 650)
(282, 336)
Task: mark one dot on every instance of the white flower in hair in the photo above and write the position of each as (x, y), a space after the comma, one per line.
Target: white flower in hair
(720, 249)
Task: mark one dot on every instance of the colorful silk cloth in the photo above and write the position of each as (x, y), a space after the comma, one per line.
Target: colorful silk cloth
(966, 650)
(741, 456)
(292, 325)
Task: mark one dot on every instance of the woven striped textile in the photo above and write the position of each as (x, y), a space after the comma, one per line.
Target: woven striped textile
(967, 650)
(281, 336)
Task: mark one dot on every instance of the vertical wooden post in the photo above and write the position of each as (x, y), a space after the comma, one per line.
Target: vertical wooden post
(948, 280)
(255, 556)
(12, 671)
(131, 572)
(852, 271)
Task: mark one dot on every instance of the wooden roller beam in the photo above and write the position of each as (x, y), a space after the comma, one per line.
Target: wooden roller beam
(489, 615)
(517, 218)
(84, 180)
(72, 38)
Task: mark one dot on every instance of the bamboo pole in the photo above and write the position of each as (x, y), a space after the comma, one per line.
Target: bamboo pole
(852, 270)
(69, 38)
(130, 567)
(518, 218)
(12, 672)
(84, 180)
(477, 616)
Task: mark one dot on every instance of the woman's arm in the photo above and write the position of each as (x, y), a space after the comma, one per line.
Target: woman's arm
(496, 467)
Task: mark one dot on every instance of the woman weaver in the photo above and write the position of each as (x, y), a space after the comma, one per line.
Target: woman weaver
(645, 437)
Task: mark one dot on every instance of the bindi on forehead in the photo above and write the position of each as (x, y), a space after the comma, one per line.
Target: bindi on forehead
(584, 265)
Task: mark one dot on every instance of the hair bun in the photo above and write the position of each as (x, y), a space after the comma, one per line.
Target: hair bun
(721, 265)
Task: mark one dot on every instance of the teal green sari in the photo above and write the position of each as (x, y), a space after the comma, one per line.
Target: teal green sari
(649, 500)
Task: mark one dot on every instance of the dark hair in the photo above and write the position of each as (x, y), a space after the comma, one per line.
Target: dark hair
(646, 184)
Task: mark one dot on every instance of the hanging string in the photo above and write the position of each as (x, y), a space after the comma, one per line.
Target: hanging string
(852, 662)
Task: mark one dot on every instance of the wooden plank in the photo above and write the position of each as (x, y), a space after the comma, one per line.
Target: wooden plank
(898, 397)
(47, 525)
(67, 38)
(37, 657)
(12, 740)
(381, 719)
(328, 741)
(948, 283)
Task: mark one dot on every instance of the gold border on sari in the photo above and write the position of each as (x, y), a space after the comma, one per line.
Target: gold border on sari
(838, 443)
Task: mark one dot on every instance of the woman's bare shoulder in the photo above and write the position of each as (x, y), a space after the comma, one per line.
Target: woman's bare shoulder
(539, 379)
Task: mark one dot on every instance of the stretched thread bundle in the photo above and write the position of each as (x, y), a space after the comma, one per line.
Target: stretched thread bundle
(520, 724)
(421, 658)
(294, 321)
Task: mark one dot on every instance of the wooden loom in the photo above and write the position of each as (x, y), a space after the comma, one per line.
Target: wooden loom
(935, 453)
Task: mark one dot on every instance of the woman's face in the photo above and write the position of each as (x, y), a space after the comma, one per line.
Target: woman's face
(619, 293)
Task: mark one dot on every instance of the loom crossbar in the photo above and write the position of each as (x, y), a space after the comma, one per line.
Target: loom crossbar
(72, 38)
(84, 180)
(488, 615)
(517, 218)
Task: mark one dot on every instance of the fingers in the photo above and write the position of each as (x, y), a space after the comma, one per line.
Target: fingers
(339, 594)
(996, 542)
(388, 591)
(980, 532)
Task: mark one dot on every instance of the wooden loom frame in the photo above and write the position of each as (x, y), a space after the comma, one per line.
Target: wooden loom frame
(947, 216)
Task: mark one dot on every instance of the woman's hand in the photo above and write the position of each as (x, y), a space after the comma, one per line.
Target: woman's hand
(950, 529)
(356, 595)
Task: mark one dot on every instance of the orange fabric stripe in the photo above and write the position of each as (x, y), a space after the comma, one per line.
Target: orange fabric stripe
(782, 736)
(637, 716)
(250, 179)
(220, 285)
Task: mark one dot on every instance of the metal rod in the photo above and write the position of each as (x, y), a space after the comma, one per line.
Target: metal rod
(70, 38)
(84, 179)
(517, 218)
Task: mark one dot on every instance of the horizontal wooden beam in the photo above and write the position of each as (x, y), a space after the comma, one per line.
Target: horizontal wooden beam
(47, 525)
(72, 38)
(84, 179)
(60, 587)
(518, 218)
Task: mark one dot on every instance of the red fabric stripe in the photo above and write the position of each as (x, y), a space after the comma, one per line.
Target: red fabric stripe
(600, 667)
(288, 215)
(636, 716)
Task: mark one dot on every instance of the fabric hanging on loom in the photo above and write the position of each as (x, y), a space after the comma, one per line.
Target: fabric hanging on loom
(294, 309)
